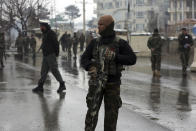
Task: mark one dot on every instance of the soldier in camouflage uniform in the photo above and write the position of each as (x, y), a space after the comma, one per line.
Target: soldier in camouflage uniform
(75, 45)
(33, 45)
(103, 59)
(19, 44)
(185, 43)
(2, 48)
(155, 44)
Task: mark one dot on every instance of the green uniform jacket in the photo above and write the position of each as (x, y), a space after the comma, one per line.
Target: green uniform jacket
(155, 42)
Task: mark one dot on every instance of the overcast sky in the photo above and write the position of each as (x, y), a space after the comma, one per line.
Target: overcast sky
(90, 6)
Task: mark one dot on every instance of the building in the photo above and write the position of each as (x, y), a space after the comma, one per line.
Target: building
(142, 12)
(182, 13)
(181, 9)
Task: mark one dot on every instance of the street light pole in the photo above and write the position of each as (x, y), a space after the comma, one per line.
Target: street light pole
(84, 18)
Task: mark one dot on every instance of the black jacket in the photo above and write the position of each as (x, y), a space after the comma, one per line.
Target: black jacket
(125, 56)
(50, 43)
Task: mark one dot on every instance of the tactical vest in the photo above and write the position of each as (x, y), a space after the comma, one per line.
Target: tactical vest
(112, 68)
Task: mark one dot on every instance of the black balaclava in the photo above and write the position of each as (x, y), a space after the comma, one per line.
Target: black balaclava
(47, 27)
(108, 22)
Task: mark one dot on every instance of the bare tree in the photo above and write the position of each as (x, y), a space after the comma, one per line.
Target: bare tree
(72, 12)
(19, 12)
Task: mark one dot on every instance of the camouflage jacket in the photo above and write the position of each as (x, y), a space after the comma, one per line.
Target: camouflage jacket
(155, 42)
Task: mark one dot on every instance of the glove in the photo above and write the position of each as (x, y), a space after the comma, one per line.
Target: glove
(92, 71)
(110, 54)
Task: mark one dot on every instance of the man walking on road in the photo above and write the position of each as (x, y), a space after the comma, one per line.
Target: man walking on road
(185, 43)
(50, 49)
(155, 44)
(103, 59)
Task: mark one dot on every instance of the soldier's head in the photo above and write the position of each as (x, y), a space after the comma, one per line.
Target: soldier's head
(184, 30)
(106, 25)
(44, 25)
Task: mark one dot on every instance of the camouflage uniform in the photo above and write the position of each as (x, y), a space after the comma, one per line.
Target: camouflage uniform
(26, 44)
(184, 40)
(19, 44)
(106, 83)
(33, 45)
(82, 39)
(75, 45)
(2, 48)
(155, 44)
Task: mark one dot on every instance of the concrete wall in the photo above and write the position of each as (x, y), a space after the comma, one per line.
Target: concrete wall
(139, 44)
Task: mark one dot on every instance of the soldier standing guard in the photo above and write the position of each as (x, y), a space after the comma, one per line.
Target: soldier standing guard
(2, 48)
(82, 40)
(103, 59)
(75, 45)
(50, 49)
(185, 43)
(155, 44)
(33, 45)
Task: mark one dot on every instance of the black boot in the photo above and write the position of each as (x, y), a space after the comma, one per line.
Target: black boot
(39, 88)
(61, 87)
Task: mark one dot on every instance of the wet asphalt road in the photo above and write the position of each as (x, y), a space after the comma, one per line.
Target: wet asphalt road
(149, 104)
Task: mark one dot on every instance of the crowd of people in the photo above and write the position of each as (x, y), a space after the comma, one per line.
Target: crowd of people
(103, 59)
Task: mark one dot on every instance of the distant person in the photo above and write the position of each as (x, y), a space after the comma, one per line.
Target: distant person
(185, 43)
(33, 45)
(75, 45)
(2, 48)
(63, 41)
(155, 45)
(50, 49)
(19, 44)
(82, 40)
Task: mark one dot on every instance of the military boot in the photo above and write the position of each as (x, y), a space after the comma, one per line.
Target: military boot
(39, 88)
(158, 74)
(61, 87)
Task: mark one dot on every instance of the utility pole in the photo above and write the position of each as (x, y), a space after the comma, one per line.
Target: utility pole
(182, 2)
(84, 17)
(193, 9)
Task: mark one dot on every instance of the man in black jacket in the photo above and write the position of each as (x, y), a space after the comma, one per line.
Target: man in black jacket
(50, 49)
(114, 53)
(185, 43)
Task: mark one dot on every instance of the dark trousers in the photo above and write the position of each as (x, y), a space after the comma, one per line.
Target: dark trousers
(49, 63)
(112, 103)
(156, 62)
(184, 57)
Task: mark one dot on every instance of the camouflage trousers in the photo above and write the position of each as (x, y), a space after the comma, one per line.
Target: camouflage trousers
(156, 62)
(112, 103)
(184, 57)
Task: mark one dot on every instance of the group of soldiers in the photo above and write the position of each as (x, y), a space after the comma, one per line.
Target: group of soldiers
(67, 43)
(26, 44)
(155, 43)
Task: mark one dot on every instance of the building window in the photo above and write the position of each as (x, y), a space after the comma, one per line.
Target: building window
(139, 27)
(117, 4)
(139, 2)
(100, 5)
(108, 5)
(139, 14)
